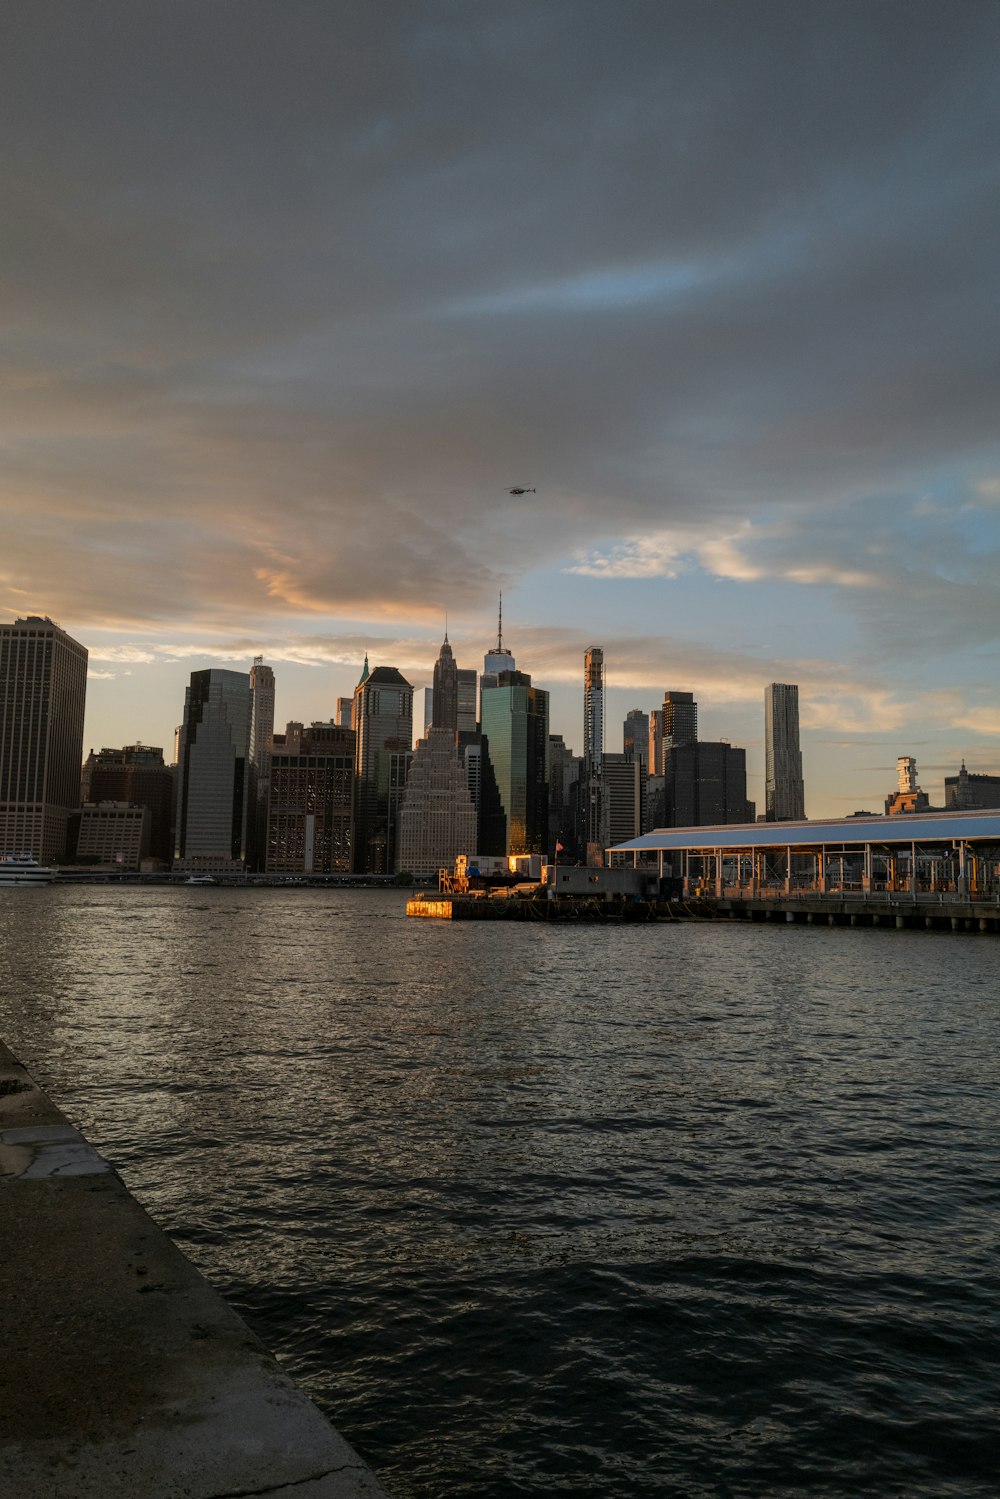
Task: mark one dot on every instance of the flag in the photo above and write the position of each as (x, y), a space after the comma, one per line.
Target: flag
(559, 848)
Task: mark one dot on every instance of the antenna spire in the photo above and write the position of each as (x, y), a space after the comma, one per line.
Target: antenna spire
(500, 627)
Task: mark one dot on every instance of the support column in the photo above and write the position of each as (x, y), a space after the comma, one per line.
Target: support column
(788, 870)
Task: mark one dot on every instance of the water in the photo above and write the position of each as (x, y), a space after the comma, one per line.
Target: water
(692, 1210)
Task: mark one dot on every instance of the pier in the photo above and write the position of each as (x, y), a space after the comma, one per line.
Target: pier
(124, 1374)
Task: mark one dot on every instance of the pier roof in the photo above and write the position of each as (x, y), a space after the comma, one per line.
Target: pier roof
(932, 827)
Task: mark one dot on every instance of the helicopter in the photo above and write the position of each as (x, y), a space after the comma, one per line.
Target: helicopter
(517, 490)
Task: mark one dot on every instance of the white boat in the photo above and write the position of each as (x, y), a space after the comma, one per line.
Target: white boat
(200, 879)
(22, 869)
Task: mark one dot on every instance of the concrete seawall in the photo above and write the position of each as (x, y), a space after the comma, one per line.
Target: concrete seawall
(123, 1374)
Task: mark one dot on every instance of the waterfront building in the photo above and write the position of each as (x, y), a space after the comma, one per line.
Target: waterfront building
(136, 775)
(43, 690)
(437, 818)
(515, 796)
(968, 791)
(383, 717)
(784, 793)
(110, 832)
(623, 783)
(593, 830)
(214, 775)
(310, 803)
(705, 784)
(680, 719)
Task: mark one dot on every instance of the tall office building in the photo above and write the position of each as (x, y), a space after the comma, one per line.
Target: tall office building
(623, 787)
(261, 731)
(214, 807)
(345, 708)
(783, 789)
(437, 818)
(593, 831)
(680, 719)
(654, 762)
(444, 704)
(565, 770)
(515, 794)
(137, 776)
(43, 692)
(635, 735)
(495, 661)
(705, 785)
(468, 688)
(383, 721)
(310, 805)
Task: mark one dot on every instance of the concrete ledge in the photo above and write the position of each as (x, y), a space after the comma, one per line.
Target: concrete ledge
(123, 1374)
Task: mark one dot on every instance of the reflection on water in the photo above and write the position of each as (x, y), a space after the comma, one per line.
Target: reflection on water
(672, 1210)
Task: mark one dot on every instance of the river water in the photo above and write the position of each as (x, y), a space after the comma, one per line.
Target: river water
(692, 1210)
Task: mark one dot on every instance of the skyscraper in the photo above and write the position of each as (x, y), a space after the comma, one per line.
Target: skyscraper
(383, 721)
(137, 776)
(783, 788)
(497, 660)
(445, 700)
(468, 684)
(592, 806)
(655, 760)
(43, 691)
(213, 794)
(310, 810)
(635, 735)
(705, 785)
(437, 818)
(261, 731)
(622, 790)
(680, 719)
(515, 792)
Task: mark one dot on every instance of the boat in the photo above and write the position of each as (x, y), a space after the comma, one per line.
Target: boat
(199, 879)
(22, 869)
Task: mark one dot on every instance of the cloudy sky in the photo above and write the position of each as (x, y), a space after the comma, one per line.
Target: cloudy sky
(293, 292)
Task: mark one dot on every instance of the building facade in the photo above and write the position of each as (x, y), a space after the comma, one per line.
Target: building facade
(624, 785)
(515, 817)
(110, 833)
(784, 792)
(136, 775)
(592, 805)
(635, 735)
(214, 807)
(705, 785)
(310, 802)
(383, 718)
(437, 818)
(43, 692)
(969, 791)
(680, 719)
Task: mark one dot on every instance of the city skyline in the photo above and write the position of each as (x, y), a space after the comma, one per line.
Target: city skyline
(295, 306)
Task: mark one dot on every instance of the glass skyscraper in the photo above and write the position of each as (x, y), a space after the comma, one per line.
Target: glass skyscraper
(515, 724)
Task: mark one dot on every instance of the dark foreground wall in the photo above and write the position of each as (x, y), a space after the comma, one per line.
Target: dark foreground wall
(123, 1375)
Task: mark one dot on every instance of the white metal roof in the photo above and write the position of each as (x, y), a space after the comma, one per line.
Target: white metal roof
(932, 827)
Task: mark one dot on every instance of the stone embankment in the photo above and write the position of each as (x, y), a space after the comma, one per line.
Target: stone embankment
(124, 1375)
